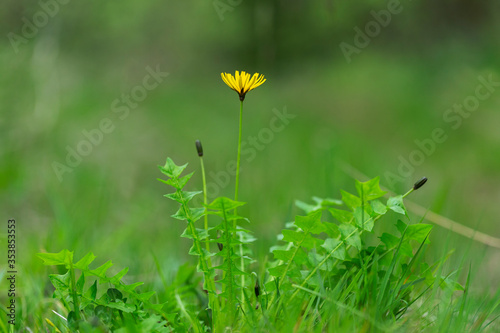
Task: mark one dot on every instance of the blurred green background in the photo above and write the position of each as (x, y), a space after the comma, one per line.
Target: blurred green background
(66, 66)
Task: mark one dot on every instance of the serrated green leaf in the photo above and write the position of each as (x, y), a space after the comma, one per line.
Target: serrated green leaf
(350, 200)
(182, 197)
(119, 305)
(80, 283)
(378, 207)
(341, 215)
(336, 246)
(363, 219)
(223, 203)
(171, 169)
(370, 189)
(180, 214)
(145, 296)
(327, 201)
(401, 226)
(91, 293)
(310, 223)
(196, 213)
(183, 180)
(331, 229)
(60, 282)
(84, 263)
(278, 270)
(396, 204)
(101, 271)
(117, 278)
(307, 208)
(292, 236)
(350, 235)
(64, 257)
(418, 232)
(389, 240)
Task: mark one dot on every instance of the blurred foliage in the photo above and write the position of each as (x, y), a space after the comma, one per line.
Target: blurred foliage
(64, 80)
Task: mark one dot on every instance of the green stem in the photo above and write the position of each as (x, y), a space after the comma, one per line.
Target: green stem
(228, 235)
(212, 292)
(73, 289)
(205, 201)
(407, 193)
(238, 158)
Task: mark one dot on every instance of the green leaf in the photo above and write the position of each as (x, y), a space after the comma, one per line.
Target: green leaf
(392, 242)
(350, 235)
(363, 219)
(183, 180)
(171, 169)
(72, 321)
(340, 215)
(91, 293)
(117, 278)
(310, 223)
(336, 246)
(60, 282)
(307, 208)
(180, 214)
(84, 263)
(101, 271)
(331, 229)
(182, 197)
(64, 257)
(418, 232)
(401, 226)
(80, 283)
(114, 294)
(389, 240)
(370, 189)
(396, 204)
(327, 202)
(378, 207)
(278, 270)
(350, 200)
(300, 256)
(223, 203)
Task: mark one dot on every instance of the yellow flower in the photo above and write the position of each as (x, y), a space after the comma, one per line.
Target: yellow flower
(242, 83)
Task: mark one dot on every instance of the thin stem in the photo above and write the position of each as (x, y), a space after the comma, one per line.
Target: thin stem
(407, 193)
(204, 263)
(76, 305)
(238, 158)
(205, 201)
(242, 261)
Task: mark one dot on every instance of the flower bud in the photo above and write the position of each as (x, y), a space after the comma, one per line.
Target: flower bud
(199, 148)
(257, 288)
(219, 245)
(420, 183)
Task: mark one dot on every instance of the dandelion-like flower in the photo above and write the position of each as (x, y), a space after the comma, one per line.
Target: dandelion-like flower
(243, 83)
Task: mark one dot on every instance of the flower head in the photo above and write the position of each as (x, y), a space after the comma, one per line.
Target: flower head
(243, 83)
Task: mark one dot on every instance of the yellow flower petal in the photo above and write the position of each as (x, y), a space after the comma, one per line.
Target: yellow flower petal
(242, 82)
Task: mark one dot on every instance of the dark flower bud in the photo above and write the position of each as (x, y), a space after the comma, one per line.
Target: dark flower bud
(257, 288)
(420, 183)
(219, 245)
(199, 148)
